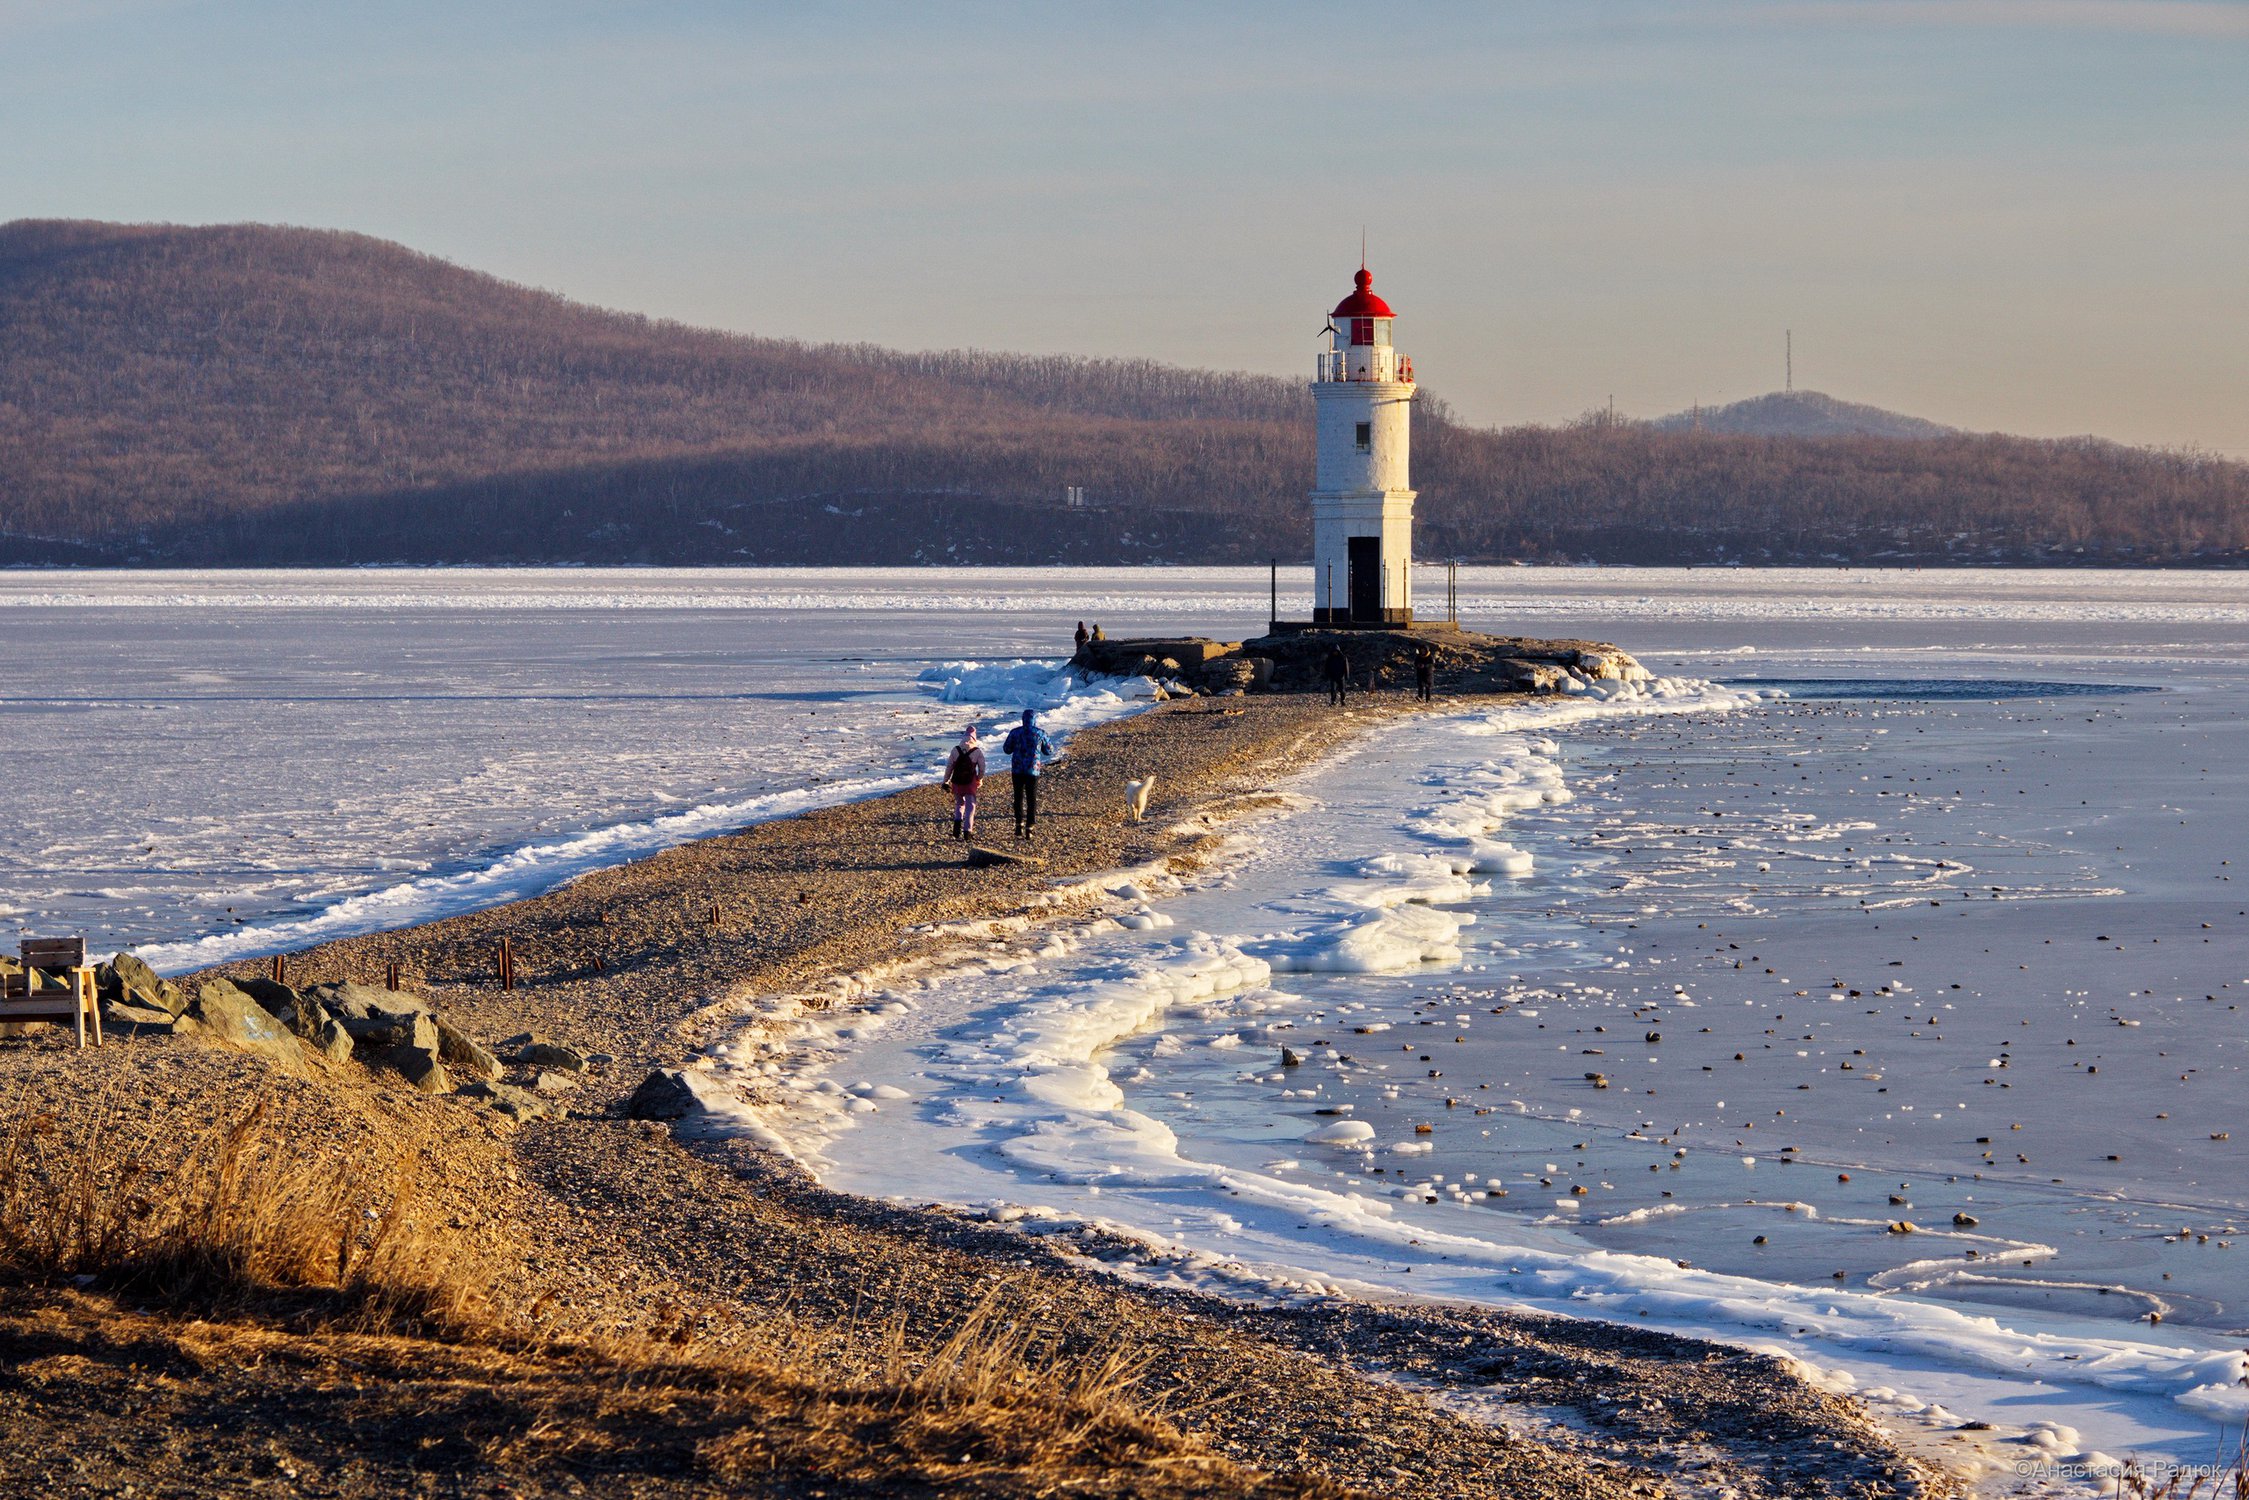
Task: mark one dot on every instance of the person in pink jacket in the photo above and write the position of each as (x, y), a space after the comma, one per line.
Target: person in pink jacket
(964, 777)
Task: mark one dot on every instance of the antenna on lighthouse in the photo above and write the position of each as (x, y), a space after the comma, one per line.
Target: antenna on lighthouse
(1362, 247)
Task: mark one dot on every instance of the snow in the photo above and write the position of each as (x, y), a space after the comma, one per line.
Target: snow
(1957, 890)
(1655, 836)
(221, 765)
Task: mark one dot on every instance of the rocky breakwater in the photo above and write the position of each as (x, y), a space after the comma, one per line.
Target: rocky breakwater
(311, 1032)
(1294, 660)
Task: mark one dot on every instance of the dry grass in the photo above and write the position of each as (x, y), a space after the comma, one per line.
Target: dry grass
(2227, 1479)
(986, 1409)
(230, 1221)
(271, 1276)
(987, 1398)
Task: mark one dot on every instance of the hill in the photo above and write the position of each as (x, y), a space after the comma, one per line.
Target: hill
(249, 394)
(1801, 414)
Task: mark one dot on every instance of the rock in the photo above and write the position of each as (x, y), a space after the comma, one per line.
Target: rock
(332, 1041)
(1533, 676)
(669, 1094)
(980, 856)
(399, 1028)
(421, 1067)
(292, 1008)
(224, 1012)
(1228, 674)
(1965, 1221)
(126, 978)
(548, 1082)
(132, 1018)
(537, 1052)
(358, 1001)
(509, 1102)
(464, 1054)
(1289, 1059)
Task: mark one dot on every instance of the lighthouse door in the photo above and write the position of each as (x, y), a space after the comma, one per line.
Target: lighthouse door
(1365, 560)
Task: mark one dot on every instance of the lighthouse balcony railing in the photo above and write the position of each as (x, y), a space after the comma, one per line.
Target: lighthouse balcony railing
(1380, 364)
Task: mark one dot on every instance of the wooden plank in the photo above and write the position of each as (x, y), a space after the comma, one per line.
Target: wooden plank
(53, 953)
(46, 1005)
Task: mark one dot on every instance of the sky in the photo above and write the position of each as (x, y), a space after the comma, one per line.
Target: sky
(2018, 215)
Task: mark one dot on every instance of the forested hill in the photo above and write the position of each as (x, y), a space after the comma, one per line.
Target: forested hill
(248, 394)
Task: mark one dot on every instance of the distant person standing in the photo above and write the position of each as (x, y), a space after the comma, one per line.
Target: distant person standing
(964, 778)
(1026, 746)
(1339, 676)
(1425, 671)
(1084, 635)
(1097, 635)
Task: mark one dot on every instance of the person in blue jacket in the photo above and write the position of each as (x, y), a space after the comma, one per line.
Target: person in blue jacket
(1026, 745)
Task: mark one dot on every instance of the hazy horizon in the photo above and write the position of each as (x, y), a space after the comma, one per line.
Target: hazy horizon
(2014, 215)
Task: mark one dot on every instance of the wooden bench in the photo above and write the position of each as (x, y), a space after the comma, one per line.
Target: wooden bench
(75, 1002)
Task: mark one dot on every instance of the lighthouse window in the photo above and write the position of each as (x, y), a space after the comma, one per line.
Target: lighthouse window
(1365, 437)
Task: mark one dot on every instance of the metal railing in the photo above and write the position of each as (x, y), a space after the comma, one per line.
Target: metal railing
(1372, 362)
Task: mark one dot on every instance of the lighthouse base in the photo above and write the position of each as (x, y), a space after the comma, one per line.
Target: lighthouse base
(1344, 619)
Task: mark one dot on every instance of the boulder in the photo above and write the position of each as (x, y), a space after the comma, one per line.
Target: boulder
(1533, 676)
(518, 1105)
(669, 1094)
(360, 1001)
(125, 978)
(333, 1042)
(225, 1013)
(371, 1027)
(131, 1018)
(532, 1050)
(982, 856)
(421, 1067)
(464, 1054)
(1228, 674)
(549, 1082)
(292, 1008)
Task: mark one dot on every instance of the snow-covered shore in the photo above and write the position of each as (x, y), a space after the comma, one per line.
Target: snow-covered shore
(1126, 1085)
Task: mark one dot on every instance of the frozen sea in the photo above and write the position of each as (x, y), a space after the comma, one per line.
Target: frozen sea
(1907, 899)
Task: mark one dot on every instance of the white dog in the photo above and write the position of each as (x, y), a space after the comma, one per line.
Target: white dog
(1136, 796)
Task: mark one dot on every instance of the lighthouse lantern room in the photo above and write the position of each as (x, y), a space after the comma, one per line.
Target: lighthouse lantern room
(1362, 504)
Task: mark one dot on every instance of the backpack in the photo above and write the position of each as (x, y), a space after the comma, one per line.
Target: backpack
(962, 772)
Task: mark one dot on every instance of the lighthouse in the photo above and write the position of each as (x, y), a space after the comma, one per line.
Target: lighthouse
(1362, 501)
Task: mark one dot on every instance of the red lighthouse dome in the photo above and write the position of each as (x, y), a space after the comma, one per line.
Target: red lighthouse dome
(1362, 303)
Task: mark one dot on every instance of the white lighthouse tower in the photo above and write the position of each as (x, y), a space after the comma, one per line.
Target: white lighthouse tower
(1362, 503)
